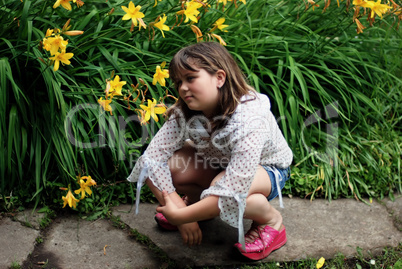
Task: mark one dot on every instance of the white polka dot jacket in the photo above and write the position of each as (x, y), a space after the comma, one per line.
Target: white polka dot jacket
(251, 137)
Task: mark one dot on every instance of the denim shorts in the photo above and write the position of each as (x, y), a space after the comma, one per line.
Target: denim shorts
(284, 176)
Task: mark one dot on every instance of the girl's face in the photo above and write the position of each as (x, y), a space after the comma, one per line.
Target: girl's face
(199, 89)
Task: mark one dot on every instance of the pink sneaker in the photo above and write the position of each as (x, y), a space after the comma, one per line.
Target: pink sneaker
(263, 240)
(164, 223)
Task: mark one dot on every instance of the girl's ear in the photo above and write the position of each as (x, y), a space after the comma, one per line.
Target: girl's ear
(221, 77)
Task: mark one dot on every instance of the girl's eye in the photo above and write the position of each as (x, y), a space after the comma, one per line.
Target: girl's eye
(190, 78)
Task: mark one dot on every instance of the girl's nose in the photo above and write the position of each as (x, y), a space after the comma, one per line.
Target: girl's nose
(183, 87)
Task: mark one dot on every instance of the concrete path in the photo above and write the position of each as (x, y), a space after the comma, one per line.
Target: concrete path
(125, 240)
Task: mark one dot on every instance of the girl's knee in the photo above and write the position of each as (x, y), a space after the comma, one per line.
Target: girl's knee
(181, 163)
(256, 200)
(186, 169)
(179, 166)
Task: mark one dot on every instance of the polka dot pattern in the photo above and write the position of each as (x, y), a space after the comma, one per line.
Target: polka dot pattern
(251, 137)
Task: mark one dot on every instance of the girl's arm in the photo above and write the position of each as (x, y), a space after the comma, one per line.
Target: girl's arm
(177, 200)
(190, 232)
(152, 164)
(202, 210)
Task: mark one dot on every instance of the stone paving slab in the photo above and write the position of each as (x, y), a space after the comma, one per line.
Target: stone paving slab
(322, 228)
(214, 249)
(72, 242)
(16, 242)
(315, 229)
(30, 218)
(395, 209)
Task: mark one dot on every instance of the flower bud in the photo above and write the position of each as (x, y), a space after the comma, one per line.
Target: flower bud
(73, 33)
(66, 25)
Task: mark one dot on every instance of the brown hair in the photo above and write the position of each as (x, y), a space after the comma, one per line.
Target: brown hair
(211, 56)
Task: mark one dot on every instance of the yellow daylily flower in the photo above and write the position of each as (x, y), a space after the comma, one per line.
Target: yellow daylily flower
(133, 13)
(161, 25)
(320, 263)
(191, 11)
(70, 200)
(105, 104)
(363, 3)
(160, 76)
(64, 3)
(152, 110)
(84, 188)
(90, 182)
(116, 86)
(219, 24)
(46, 45)
(49, 32)
(379, 9)
(61, 57)
(54, 44)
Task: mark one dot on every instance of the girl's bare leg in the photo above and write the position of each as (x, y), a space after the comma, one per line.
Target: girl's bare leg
(190, 175)
(189, 178)
(258, 208)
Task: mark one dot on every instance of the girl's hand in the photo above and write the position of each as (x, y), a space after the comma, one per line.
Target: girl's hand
(170, 210)
(191, 233)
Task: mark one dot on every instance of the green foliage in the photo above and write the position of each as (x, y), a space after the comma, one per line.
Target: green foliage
(317, 71)
(322, 76)
(15, 265)
(39, 240)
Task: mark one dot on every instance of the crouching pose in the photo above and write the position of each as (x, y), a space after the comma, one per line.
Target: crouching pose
(220, 153)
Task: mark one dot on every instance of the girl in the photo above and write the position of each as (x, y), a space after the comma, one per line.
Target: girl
(222, 149)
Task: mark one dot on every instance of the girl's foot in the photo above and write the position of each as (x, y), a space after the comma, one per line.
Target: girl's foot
(261, 241)
(163, 223)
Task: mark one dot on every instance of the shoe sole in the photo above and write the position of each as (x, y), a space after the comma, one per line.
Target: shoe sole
(166, 226)
(278, 242)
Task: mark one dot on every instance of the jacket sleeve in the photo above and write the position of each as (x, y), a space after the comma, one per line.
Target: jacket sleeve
(153, 163)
